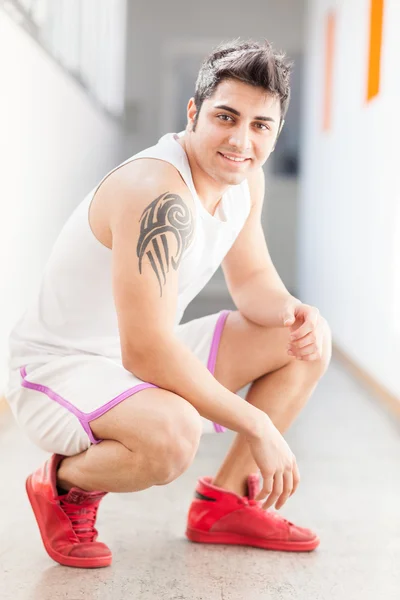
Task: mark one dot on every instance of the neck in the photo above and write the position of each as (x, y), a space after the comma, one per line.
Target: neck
(208, 190)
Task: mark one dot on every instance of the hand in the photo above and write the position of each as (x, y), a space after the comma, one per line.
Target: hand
(306, 328)
(277, 464)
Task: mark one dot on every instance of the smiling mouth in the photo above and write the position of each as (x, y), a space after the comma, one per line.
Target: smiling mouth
(234, 159)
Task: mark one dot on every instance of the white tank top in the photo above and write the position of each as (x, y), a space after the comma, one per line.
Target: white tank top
(74, 311)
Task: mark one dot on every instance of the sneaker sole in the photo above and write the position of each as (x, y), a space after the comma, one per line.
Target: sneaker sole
(204, 537)
(67, 561)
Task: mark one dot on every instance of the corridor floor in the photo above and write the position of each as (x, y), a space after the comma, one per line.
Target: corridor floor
(348, 450)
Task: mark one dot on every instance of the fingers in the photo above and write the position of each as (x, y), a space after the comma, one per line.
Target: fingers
(280, 487)
(307, 340)
(311, 317)
(287, 489)
(276, 491)
(305, 353)
(304, 329)
(296, 476)
(306, 348)
(310, 357)
(268, 484)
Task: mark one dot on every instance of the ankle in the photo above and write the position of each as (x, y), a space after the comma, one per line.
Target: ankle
(237, 487)
(62, 487)
(63, 480)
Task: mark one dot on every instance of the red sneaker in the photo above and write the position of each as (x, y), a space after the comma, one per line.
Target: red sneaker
(66, 523)
(218, 516)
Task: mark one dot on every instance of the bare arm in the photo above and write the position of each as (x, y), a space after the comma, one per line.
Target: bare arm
(251, 277)
(151, 225)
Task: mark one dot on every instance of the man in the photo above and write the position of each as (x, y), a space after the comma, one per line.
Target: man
(105, 378)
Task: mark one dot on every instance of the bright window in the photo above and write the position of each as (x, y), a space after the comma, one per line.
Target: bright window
(87, 38)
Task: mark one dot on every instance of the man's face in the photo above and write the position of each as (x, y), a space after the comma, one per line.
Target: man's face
(239, 121)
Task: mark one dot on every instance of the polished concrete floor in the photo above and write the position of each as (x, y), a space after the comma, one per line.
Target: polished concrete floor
(348, 450)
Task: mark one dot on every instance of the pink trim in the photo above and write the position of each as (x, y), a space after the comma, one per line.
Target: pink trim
(103, 409)
(212, 359)
(83, 418)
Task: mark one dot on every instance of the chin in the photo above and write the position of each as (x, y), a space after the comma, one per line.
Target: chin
(234, 178)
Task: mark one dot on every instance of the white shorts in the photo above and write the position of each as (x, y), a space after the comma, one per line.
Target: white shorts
(55, 402)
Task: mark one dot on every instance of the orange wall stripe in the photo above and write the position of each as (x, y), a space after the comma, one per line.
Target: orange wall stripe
(375, 48)
(329, 56)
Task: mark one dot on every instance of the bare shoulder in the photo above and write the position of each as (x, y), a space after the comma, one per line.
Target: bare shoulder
(130, 190)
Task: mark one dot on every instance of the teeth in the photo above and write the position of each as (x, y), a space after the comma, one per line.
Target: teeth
(234, 159)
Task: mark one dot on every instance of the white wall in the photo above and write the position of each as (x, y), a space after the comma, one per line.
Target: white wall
(349, 209)
(54, 147)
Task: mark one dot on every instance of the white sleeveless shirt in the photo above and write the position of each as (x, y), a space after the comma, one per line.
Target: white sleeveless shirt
(74, 311)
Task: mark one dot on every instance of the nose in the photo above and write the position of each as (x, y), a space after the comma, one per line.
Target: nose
(240, 139)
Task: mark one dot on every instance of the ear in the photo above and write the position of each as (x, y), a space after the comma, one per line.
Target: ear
(191, 111)
(279, 133)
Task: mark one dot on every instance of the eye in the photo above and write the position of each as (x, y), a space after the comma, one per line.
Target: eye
(225, 118)
(262, 126)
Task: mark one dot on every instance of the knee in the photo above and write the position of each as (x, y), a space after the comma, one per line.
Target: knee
(326, 346)
(176, 445)
(314, 369)
(322, 363)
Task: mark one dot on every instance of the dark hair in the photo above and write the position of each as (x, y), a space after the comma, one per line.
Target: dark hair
(251, 62)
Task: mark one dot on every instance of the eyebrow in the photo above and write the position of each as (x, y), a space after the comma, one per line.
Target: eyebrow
(237, 113)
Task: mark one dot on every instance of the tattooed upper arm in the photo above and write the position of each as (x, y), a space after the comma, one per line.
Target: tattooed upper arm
(152, 223)
(168, 213)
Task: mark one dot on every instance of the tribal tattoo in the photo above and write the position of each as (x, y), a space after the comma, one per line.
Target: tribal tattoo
(166, 214)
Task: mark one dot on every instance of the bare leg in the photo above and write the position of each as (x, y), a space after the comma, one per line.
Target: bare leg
(149, 439)
(109, 466)
(281, 394)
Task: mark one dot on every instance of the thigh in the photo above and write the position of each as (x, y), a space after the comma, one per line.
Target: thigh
(55, 402)
(153, 420)
(71, 402)
(247, 351)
